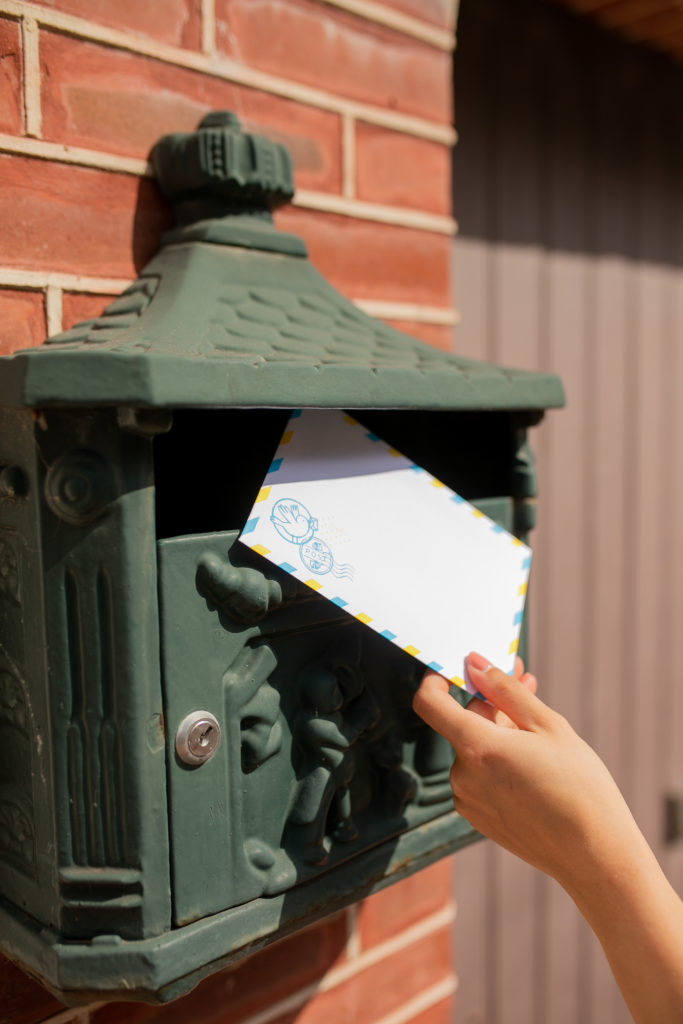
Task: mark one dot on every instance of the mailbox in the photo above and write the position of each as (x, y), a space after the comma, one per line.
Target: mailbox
(197, 753)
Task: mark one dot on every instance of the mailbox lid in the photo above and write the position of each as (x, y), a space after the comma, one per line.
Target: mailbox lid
(230, 313)
(219, 324)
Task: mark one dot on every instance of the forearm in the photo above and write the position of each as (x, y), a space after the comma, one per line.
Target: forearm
(638, 918)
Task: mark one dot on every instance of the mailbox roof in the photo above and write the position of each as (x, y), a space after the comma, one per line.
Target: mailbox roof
(219, 322)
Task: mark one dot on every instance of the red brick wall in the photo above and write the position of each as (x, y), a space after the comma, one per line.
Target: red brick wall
(360, 91)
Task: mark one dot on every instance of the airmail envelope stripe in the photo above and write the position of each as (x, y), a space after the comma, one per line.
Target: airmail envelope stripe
(362, 617)
(274, 466)
(339, 601)
(250, 525)
(392, 451)
(260, 550)
(287, 567)
(350, 419)
(372, 437)
(286, 437)
(517, 542)
(526, 564)
(522, 589)
(478, 513)
(262, 494)
(513, 647)
(313, 584)
(457, 681)
(388, 635)
(435, 667)
(411, 650)
(294, 413)
(437, 483)
(518, 618)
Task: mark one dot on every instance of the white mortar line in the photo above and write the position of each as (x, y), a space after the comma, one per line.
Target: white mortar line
(441, 38)
(396, 215)
(208, 16)
(53, 310)
(321, 201)
(435, 994)
(348, 156)
(353, 945)
(375, 954)
(443, 315)
(42, 150)
(31, 76)
(79, 1015)
(39, 279)
(424, 1001)
(228, 69)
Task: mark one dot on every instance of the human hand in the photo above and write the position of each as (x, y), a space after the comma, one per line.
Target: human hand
(522, 775)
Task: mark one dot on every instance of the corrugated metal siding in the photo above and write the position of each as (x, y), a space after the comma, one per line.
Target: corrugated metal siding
(568, 182)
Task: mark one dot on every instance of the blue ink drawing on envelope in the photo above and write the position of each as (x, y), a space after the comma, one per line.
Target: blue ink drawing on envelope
(381, 538)
(294, 523)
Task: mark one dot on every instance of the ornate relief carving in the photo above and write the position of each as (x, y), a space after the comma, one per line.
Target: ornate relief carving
(92, 739)
(79, 487)
(245, 595)
(17, 843)
(9, 573)
(335, 710)
(13, 703)
(255, 704)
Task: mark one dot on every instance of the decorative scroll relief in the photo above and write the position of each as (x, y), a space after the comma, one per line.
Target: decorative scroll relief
(14, 703)
(17, 838)
(93, 740)
(319, 765)
(9, 573)
(336, 709)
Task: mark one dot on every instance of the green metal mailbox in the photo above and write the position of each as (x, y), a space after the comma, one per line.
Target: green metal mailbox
(161, 686)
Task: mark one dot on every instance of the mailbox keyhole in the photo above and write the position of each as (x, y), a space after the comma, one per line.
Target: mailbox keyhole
(197, 738)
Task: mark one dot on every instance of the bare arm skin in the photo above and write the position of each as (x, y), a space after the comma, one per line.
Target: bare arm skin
(525, 779)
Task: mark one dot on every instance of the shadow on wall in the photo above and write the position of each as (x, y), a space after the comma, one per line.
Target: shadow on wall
(553, 112)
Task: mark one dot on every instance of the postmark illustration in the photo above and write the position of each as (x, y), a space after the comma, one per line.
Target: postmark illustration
(293, 521)
(295, 524)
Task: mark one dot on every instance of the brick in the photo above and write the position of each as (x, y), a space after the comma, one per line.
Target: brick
(23, 1000)
(22, 320)
(77, 220)
(383, 988)
(170, 21)
(10, 76)
(400, 170)
(387, 913)
(248, 987)
(104, 99)
(436, 11)
(366, 260)
(440, 1013)
(337, 52)
(78, 306)
(438, 335)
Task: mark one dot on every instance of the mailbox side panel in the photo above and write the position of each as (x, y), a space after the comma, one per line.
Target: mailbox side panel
(95, 675)
(27, 823)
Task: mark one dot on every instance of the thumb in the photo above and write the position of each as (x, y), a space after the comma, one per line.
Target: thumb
(506, 693)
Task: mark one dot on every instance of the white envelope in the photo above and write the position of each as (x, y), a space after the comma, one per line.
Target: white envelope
(381, 538)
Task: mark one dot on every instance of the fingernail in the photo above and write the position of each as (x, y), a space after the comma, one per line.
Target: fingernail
(478, 661)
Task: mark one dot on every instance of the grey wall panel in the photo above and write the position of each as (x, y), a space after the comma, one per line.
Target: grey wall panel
(568, 189)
